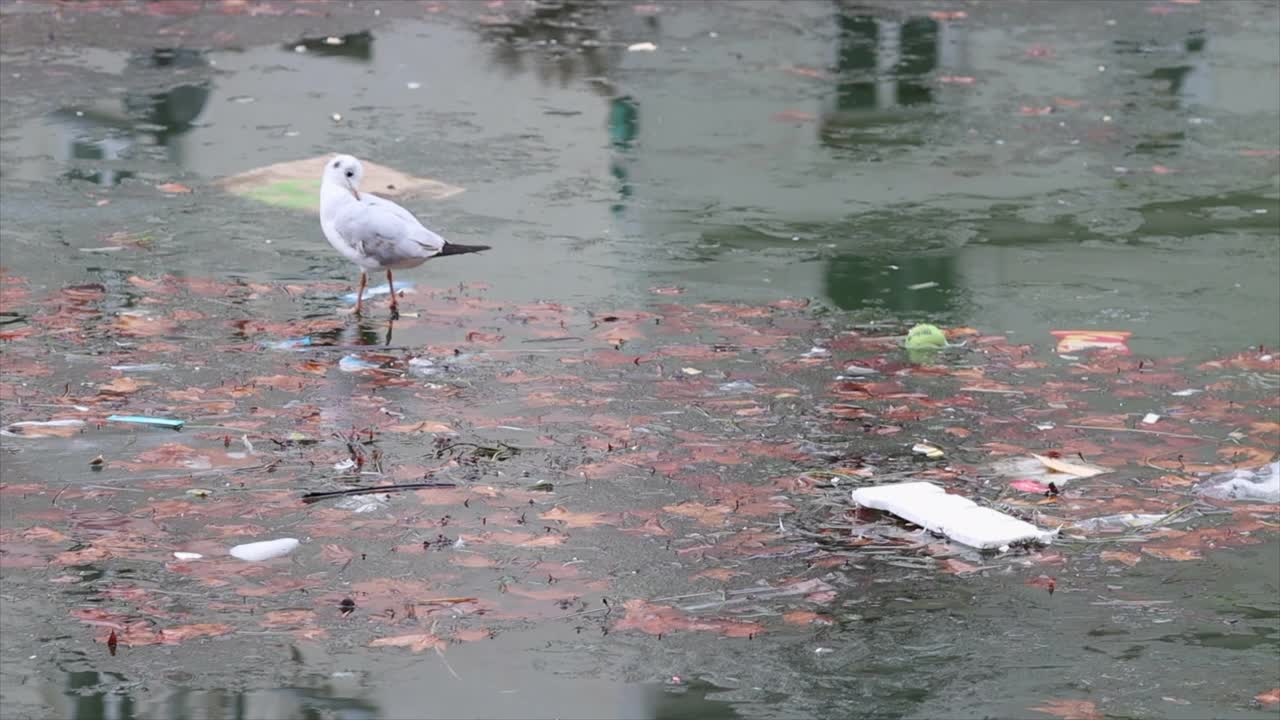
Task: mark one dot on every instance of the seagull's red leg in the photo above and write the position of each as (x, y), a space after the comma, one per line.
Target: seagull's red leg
(360, 294)
(395, 309)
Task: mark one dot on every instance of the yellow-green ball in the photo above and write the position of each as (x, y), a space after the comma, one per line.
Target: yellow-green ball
(926, 337)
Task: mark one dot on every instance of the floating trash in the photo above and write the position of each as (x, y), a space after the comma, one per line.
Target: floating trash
(287, 344)
(933, 452)
(364, 503)
(147, 367)
(170, 423)
(383, 289)
(352, 363)
(1261, 484)
(42, 428)
(956, 517)
(265, 550)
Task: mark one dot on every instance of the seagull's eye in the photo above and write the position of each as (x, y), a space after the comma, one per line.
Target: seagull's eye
(351, 173)
(335, 163)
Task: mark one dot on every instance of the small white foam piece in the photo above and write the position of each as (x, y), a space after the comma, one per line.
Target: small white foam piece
(265, 550)
(186, 555)
(959, 518)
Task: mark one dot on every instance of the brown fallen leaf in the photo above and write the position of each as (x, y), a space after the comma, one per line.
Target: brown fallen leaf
(958, 567)
(1121, 556)
(424, 426)
(1069, 709)
(1044, 581)
(653, 619)
(577, 519)
(1270, 697)
(173, 188)
(416, 642)
(1173, 553)
(178, 633)
(277, 618)
(480, 338)
(805, 617)
(122, 386)
(721, 574)
(472, 634)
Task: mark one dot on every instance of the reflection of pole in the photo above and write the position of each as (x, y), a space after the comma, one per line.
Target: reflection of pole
(888, 54)
(624, 126)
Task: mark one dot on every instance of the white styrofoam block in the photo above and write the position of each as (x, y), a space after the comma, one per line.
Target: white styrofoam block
(265, 550)
(959, 518)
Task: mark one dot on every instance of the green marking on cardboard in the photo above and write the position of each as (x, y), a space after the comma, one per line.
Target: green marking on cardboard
(299, 193)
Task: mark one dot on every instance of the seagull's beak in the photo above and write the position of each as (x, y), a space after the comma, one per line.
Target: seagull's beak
(352, 188)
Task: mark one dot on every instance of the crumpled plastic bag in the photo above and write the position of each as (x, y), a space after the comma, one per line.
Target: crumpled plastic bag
(1259, 485)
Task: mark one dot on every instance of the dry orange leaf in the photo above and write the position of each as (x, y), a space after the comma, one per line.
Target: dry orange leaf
(416, 642)
(122, 386)
(424, 426)
(1121, 556)
(805, 617)
(1270, 697)
(1069, 709)
(471, 560)
(175, 635)
(958, 567)
(1173, 553)
(713, 515)
(289, 617)
(576, 519)
(173, 188)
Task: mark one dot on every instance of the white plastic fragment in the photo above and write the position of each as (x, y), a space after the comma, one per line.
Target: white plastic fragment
(379, 290)
(265, 550)
(1121, 521)
(36, 426)
(351, 363)
(642, 47)
(933, 452)
(1260, 484)
(959, 518)
(1150, 419)
(187, 555)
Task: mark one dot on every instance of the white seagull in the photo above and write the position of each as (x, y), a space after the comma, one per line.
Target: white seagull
(374, 232)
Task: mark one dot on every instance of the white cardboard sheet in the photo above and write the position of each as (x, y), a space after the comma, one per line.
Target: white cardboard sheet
(959, 518)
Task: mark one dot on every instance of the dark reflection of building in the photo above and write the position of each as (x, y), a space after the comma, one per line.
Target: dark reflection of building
(1170, 71)
(854, 282)
(561, 41)
(91, 695)
(354, 46)
(104, 135)
(886, 69)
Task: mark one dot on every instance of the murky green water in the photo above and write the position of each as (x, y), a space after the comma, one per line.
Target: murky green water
(1029, 167)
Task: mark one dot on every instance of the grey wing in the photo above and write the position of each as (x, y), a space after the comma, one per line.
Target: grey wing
(422, 234)
(383, 237)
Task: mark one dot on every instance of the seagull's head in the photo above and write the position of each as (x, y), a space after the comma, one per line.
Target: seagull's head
(345, 171)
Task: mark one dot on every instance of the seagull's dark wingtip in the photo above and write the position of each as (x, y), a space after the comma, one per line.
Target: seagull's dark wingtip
(456, 249)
